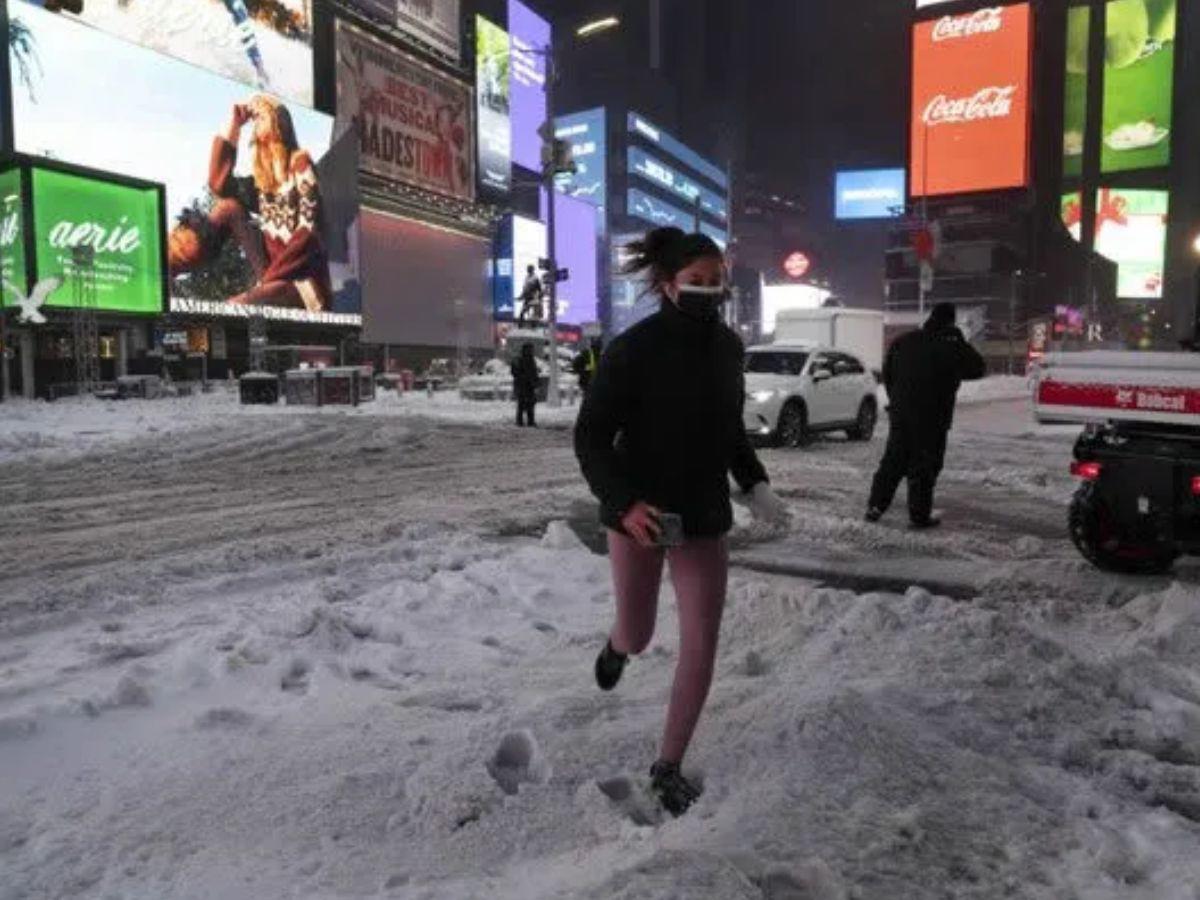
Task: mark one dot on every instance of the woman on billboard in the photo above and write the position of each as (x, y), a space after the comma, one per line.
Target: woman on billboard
(274, 215)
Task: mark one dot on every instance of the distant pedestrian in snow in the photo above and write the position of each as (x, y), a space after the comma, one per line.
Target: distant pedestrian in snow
(584, 365)
(659, 433)
(525, 386)
(922, 374)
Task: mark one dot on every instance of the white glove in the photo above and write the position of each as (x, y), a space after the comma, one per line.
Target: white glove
(765, 505)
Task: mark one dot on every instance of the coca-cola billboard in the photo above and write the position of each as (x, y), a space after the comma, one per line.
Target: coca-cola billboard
(970, 115)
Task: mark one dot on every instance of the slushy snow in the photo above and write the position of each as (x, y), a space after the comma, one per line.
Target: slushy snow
(315, 654)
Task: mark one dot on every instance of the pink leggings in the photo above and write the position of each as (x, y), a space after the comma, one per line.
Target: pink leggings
(700, 572)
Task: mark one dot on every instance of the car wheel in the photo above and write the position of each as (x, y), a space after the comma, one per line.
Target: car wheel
(864, 425)
(1097, 535)
(792, 430)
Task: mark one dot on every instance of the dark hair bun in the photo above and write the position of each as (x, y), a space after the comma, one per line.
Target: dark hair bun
(664, 252)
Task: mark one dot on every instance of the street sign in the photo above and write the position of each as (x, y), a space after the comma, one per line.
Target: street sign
(562, 275)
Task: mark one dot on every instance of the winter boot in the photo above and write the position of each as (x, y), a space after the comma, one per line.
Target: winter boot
(609, 666)
(874, 514)
(675, 792)
(926, 523)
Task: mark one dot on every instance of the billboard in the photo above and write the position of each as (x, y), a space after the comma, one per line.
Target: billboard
(1131, 230)
(492, 104)
(121, 225)
(530, 35)
(588, 135)
(644, 128)
(433, 22)
(528, 247)
(1075, 90)
(971, 111)
(1139, 73)
(413, 122)
(670, 179)
(660, 214)
(12, 237)
(869, 194)
(266, 45)
(261, 201)
(577, 233)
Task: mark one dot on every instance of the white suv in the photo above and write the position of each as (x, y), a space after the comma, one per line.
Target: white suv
(794, 391)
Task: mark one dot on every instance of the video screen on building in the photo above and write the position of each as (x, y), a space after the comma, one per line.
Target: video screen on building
(414, 124)
(492, 103)
(1139, 76)
(265, 45)
(530, 35)
(528, 249)
(262, 201)
(663, 175)
(1075, 90)
(971, 112)
(576, 230)
(646, 130)
(432, 22)
(586, 133)
(1131, 230)
(12, 237)
(119, 223)
(869, 194)
(659, 214)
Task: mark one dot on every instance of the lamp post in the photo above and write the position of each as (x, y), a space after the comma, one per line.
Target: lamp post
(550, 169)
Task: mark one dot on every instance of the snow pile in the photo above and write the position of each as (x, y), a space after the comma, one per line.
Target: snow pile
(412, 715)
(994, 388)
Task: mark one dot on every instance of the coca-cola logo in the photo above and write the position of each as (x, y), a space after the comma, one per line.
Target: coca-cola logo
(982, 21)
(987, 103)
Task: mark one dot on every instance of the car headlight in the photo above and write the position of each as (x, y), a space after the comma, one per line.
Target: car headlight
(761, 396)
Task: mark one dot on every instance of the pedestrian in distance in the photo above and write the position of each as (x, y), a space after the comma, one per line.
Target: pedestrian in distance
(585, 365)
(532, 293)
(922, 374)
(525, 386)
(658, 436)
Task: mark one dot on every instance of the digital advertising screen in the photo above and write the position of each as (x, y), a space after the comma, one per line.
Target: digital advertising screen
(119, 223)
(530, 36)
(265, 45)
(1139, 72)
(675, 148)
(432, 22)
(492, 104)
(1131, 230)
(1075, 100)
(413, 123)
(971, 112)
(576, 231)
(670, 179)
(12, 237)
(588, 136)
(262, 201)
(869, 194)
(659, 214)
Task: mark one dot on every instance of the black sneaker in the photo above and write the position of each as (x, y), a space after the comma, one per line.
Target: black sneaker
(675, 792)
(926, 523)
(874, 514)
(609, 666)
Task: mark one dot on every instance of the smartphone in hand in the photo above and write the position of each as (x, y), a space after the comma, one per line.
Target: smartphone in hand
(671, 530)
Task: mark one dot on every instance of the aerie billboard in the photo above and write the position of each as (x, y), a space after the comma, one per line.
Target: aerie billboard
(970, 115)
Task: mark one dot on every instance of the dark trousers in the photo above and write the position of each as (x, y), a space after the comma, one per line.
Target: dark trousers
(916, 452)
(525, 408)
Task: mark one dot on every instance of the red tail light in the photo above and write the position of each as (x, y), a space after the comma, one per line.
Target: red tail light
(1088, 471)
(1196, 486)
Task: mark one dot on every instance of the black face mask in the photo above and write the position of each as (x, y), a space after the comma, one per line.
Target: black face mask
(701, 303)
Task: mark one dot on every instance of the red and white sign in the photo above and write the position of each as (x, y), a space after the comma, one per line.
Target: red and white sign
(1120, 398)
(970, 114)
(797, 265)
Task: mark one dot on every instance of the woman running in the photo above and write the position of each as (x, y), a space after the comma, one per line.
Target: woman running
(659, 433)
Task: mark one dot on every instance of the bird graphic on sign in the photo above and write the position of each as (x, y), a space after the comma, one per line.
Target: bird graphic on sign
(31, 306)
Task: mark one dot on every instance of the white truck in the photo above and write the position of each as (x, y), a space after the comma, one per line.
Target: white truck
(858, 331)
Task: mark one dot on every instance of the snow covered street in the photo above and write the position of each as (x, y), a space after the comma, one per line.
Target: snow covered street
(260, 653)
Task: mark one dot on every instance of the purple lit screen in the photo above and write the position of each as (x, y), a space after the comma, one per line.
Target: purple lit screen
(576, 229)
(529, 34)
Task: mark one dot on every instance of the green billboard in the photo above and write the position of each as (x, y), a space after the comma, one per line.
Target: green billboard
(1131, 230)
(1139, 76)
(120, 223)
(12, 237)
(1075, 92)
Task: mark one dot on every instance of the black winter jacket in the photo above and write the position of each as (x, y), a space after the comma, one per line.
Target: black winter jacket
(923, 372)
(662, 423)
(525, 379)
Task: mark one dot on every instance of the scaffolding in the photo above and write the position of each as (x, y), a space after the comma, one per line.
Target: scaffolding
(85, 336)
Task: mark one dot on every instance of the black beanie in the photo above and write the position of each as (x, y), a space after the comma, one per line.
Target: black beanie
(943, 315)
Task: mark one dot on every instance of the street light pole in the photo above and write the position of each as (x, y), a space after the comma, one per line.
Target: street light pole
(550, 169)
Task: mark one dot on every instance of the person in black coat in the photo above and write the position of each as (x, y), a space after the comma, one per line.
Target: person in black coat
(658, 436)
(922, 374)
(525, 386)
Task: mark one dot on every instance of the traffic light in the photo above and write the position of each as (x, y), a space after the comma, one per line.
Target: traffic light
(557, 155)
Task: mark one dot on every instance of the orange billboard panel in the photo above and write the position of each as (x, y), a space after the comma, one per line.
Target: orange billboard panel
(970, 114)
